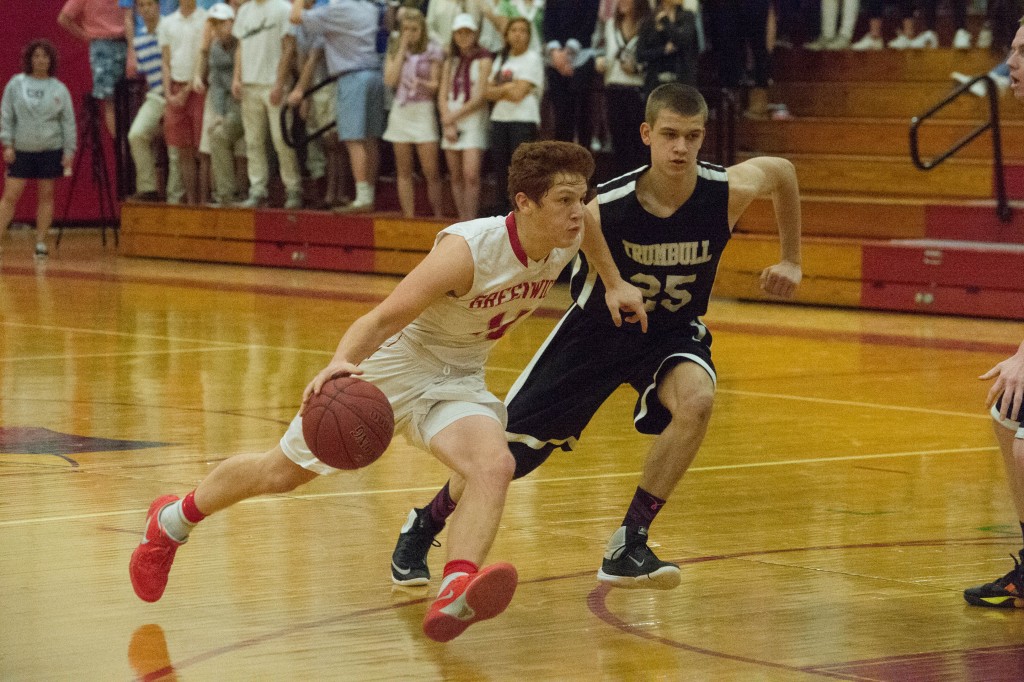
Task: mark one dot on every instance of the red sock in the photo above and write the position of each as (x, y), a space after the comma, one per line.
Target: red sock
(459, 566)
(190, 510)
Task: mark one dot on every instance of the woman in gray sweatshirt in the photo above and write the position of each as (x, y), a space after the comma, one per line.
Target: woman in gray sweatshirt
(37, 130)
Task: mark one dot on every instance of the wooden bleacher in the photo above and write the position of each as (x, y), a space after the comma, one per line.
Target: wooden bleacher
(878, 232)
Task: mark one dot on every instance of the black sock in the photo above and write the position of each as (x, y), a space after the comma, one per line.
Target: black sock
(1022, 528)
(440, 508)
(642, 509)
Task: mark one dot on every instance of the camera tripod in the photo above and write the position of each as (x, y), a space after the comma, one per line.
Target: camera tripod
(90, 138)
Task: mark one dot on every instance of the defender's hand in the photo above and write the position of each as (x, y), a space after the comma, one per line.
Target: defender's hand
(781, 279)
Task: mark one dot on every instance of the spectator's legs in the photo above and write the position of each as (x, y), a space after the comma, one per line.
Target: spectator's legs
(730, 55)
(141, 136)
(44, 209)
(559, 93)
(287, 161)
(501, 156)
(175, 191)
(13, 189)
(453, 157)
(222, 157)
(428, 153)
(751, 24)
(472, 164)
(187, 160)
(628, 149)
(403, 171)
(254, 122)
(829, 16)
(851, 8)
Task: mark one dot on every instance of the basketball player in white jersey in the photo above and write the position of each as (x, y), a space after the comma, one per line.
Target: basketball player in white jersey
(1006, 398)
(666, 226)
(425, 346)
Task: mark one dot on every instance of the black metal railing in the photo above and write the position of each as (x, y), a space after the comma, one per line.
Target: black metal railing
(289, 113)
(722, 104)
(1003, 209)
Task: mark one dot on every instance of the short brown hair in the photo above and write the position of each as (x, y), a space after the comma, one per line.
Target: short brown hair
(684, 100)
(47, 47)
(537, 165)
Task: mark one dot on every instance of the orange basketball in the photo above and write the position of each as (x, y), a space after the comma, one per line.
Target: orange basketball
(349, 424)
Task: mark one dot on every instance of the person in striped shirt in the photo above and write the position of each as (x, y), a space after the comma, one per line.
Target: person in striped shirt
(146, 126)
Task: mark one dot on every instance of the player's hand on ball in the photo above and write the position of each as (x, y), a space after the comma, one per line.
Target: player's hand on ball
(781, 279)
(621, 296)
(335, 369)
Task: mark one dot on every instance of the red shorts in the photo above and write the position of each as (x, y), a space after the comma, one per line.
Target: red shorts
(183, 126)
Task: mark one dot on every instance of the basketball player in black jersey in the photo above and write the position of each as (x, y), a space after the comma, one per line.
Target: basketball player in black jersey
(666, 226)
(1006, 398)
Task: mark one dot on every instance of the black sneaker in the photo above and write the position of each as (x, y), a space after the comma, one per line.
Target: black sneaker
(1005, 593)
(409, 560)
(630, 563)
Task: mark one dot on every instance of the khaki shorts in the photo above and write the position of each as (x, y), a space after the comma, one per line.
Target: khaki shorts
(425, 394)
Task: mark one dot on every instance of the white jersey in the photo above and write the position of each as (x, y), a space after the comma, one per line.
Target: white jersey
(507, 287)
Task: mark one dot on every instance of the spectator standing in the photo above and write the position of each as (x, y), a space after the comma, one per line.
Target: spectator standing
(531, 10)
(667, 47)
(515, 86)
(441, 16)
(324, 155)
(146, 59)
(829, 39)
(180, 37)
(225, 128)
(37, 130)
(735, 29)
(623, 81)
(350, 29)
(101, 24)
(261, 27)
(462, 104)
(568, 29)
(413, 69)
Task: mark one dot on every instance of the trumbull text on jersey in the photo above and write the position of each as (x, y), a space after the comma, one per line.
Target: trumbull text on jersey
(672, 253)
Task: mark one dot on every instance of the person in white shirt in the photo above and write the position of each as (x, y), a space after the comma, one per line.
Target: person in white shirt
(462, 104)
(261, 76)
(180, 37)
(515, 86)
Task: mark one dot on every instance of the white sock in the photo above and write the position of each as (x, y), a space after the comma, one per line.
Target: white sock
(364, 193)
(172, 520)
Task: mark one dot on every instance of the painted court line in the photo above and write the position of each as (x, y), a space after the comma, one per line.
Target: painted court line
(123, 354)
(539, 481)
(169, 339)
(980, 414)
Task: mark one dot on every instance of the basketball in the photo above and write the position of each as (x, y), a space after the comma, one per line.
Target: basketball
(349, 424)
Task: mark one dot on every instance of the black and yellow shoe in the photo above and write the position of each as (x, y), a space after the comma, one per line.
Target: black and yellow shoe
(1005, 593)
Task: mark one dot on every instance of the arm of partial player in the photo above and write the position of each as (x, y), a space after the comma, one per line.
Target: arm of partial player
(774, 177)
(619, 295)
(448, 268)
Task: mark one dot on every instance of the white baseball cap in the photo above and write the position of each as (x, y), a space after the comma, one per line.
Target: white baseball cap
(464, 21)
(221, 11)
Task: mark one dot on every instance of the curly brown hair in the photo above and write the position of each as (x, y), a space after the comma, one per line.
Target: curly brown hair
(47, 47)
(536, 166)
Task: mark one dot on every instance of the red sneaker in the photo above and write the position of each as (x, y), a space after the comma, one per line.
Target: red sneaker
(151, 561)
(470, 599)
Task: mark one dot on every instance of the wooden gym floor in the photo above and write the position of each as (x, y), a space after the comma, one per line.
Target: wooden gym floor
(848, 490)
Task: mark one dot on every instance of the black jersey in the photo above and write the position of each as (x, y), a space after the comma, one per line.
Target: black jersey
(672, 260)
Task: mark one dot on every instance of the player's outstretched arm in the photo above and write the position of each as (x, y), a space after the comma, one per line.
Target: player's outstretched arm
(1009, 384)
(448, 268)
(620, 296)
(775, 178)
